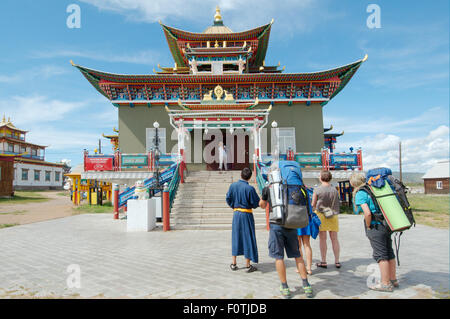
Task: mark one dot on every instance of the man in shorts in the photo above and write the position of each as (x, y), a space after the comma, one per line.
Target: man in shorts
(281, 239)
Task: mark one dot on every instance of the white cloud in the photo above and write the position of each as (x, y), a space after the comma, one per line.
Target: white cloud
(65, 126)
(238, 15)
(26, 110)
(41, 72)
(146, 57)
(418, 154)
(408, 63)
(408, 124)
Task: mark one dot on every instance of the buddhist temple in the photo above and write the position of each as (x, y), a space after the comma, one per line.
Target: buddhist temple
(219, 87)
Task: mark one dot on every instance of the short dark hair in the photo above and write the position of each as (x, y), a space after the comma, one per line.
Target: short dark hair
(246, 173)
(325, 176)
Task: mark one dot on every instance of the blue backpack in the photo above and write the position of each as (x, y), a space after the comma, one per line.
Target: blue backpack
(295, 196)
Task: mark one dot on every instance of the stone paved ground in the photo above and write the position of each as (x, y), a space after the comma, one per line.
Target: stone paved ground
(195, 264)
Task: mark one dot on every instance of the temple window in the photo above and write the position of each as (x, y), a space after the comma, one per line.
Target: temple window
(33, 152)
(47, 176)
(24, 174)
(57, 175)
(37, 175)
(10, 147)
(286, 139)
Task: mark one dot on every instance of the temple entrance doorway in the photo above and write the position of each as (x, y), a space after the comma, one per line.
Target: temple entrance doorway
(236, 147)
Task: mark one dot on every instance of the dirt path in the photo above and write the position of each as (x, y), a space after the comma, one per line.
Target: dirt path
(58, 206)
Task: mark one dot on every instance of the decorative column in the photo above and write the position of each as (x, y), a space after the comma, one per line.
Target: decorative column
(181, 146)
(166, 208)
(115, 189)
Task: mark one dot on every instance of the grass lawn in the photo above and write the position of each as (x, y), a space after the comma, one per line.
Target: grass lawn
(23, 197)
(431, 210)
(94, 209)
(7, 225)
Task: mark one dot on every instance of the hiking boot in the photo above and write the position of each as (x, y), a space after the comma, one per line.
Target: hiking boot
(285, 292)
(308, 291)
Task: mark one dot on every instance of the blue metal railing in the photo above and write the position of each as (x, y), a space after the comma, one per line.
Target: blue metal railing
(165, 177)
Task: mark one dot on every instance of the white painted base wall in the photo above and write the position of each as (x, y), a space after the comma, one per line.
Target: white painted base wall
(140, 215)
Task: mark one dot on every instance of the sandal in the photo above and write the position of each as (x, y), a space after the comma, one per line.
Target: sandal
(251, 268)
(322, 265)
(309, 272)
(234, 267)
(382, 287)
(338, 265)
(394, 283)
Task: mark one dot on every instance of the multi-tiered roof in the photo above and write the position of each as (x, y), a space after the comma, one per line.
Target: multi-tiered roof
(14, 143)
(219, 56)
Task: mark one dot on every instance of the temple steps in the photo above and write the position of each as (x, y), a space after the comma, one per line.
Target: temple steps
(200, 202)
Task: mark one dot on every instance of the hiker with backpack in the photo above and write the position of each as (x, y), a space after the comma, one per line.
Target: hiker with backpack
(378, 234)
(326, 204)
(243, 198)
(286, 195)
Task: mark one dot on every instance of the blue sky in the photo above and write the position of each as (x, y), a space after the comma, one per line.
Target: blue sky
(401, 93)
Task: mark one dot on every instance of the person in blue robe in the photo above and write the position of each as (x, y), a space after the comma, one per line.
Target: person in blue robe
(243, 198)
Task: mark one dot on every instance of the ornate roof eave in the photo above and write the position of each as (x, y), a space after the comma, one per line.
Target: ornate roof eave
(12, 127)
(346, 76)
(261, 33)
(343, 73)
(333, 134)
(110, 136)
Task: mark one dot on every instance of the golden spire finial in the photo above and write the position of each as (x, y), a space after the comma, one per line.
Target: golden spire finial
(4, 119)
(217, 16)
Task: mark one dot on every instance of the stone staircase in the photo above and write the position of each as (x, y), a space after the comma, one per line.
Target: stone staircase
(200, 202)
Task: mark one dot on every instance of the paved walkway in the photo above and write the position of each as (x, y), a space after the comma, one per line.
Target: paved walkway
(195, 264)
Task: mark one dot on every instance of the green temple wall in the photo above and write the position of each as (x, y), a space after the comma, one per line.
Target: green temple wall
(307, 120)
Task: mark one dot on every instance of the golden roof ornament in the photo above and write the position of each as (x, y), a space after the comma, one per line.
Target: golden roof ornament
(217, 16)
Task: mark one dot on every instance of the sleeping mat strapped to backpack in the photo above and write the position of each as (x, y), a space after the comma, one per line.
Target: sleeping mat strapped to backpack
(390, 196)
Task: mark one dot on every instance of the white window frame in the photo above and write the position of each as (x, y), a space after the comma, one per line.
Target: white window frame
(49, 174)
(25, 170)
(284, 140)
(439, 185)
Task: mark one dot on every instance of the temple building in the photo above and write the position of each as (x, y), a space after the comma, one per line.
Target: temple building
(31, 171)
(220, 87)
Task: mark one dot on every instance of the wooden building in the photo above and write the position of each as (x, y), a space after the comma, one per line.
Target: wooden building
(6, 175)
(436, 180)
(30, 171)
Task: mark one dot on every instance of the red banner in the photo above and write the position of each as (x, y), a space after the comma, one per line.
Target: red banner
(98, 163)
